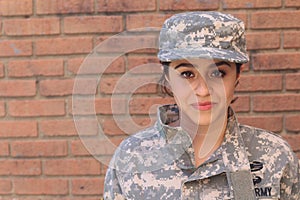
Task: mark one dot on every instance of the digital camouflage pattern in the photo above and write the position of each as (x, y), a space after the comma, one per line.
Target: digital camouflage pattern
(203, 35)
(158, 164)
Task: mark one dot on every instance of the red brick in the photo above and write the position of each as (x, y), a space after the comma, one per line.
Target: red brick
(144, 64)
(56, 87)
(1, 69)
(140, 21)
(276, 61)
(125, 6)
(4, 148)
(147, 105)
(255, 42)
(2, 109)
(242, 104)
(272, 103)
(68, 127)
(251, 83)
(63, 46)
(94, 146)
(91, 186)
(51, 197)
(292, 81)
(64, 6)
(79, 149)
(291, 39)
(86, 197)
(72, 167)
(36, 108)
(272, 123)
(41, 186)
(12, 129)
(292, 122)
(238, 4)
(47, 148)
(31, 26)
(293, 140)
(124, 126)
(15, 7)
(15, 48)
(130, 43)
(68, 86)
(5, 186)
(93, 24)
(292, 3)
(29, 68)
(88, 106)
(189, 5)
(275, 19)
(90, 65)
(135, 84)
(20, 167)
(17, 88)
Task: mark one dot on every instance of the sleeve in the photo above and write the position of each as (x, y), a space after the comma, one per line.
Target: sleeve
(290, 181)
(112, 188)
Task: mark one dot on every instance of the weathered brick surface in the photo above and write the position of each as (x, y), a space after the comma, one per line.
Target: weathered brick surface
(250, 4)
(56, 91)
(277, 19)
(125, 6)
(35, 26)
(16, 7)
(31, 68)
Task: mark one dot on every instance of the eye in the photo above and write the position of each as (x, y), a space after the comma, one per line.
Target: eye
(217, 74)
(187, 74)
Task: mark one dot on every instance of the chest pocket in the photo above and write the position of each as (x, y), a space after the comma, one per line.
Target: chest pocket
(212, 188)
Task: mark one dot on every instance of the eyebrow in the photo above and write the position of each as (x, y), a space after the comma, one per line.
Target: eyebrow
(211, 65)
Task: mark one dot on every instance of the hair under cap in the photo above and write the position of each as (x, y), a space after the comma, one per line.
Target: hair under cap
(203, 35)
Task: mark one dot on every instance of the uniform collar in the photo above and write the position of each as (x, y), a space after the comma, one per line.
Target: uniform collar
(231, 153)
(179, 143)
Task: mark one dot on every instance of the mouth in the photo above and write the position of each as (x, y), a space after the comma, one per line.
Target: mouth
(203, 106)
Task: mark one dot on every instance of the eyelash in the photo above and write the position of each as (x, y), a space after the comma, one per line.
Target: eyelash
(192, 75)
(183, 74)
(222, 72)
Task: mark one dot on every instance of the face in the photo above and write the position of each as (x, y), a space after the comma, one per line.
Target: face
(202, 88)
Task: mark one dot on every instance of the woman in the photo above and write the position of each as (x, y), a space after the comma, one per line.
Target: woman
(197, 149)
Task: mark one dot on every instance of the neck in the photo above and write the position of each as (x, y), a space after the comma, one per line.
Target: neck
(206, 138)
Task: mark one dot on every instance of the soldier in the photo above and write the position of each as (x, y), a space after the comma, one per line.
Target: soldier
(197, 149)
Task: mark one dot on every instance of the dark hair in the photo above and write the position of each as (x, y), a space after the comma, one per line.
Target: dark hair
(163, 84)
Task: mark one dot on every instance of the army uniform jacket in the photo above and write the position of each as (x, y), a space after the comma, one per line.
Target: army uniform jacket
(158, 164)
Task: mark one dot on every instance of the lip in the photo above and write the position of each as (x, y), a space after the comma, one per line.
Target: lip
(203, 106)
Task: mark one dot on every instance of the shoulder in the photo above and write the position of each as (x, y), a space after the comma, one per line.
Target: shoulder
(144, 139)
(262, 142)
(264, 136)
(132, 153)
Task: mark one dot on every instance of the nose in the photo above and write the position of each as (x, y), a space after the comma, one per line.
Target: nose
(201, 88)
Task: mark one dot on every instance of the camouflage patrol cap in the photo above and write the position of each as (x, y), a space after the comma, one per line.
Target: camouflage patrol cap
(203, 35)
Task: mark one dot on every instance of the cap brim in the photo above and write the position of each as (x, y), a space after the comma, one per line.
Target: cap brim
(207, 53)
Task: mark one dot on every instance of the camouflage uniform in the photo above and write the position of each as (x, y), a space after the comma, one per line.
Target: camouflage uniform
(158, 163)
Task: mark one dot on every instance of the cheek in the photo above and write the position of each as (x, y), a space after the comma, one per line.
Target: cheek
(181, 90)
(229, 89)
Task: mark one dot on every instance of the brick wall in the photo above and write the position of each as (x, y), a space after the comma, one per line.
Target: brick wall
(43, 44)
